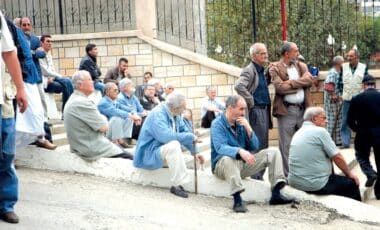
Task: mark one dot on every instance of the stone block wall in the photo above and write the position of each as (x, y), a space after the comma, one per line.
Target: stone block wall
(190, 73)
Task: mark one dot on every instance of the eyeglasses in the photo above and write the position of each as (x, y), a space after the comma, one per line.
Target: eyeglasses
(115, 90)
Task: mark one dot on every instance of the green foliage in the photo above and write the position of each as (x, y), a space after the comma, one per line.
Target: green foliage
(309, 23)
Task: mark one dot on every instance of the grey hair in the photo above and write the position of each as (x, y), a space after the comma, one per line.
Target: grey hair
(78, 78)
(337, 60)
(153, 81)
(286, 47)
(254, 49)
(233, 100)
(123, 83)
(210, 87)
(108, 86)
(175, 100)
(312, 112)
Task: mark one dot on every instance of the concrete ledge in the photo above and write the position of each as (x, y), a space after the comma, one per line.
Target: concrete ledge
(119, 169)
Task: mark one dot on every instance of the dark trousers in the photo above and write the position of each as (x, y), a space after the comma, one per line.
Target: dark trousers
(364, 141)
(341, 186)
(259, 121)
(61, 85)
(136, 129)
(207, 119)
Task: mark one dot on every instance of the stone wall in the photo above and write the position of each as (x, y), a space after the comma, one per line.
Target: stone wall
(189, 72)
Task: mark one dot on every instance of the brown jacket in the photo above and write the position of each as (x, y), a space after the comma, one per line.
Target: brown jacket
(113, 74)
(284, 86)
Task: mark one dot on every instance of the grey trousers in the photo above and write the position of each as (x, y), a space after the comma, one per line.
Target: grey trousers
(233, 170)
(287, 126)
(119, 128)
(259, 121)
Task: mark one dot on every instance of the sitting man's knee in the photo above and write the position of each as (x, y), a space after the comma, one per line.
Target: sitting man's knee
(173, 146)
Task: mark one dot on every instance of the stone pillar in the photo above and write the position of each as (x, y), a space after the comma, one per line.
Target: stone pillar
(199, 7)
(146, 17)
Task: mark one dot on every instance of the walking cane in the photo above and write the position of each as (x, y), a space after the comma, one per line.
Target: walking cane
(195, 155)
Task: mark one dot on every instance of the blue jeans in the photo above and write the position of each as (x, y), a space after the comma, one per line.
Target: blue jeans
(345, 131)
(8, 177)
(99, 86)
(61, 85)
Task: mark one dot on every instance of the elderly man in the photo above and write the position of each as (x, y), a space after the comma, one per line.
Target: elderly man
(8, 176)
(168, 89)
(120, 120)
(253, 86)
(53, 81)
(149, 101)
(131, 103)
(162, 135)
(118, 72)
(353, 73)
(89, 64)
(232, 145)
(292, 83)
(85, 126)
(211, 107)
(312, 152)
(363, 118)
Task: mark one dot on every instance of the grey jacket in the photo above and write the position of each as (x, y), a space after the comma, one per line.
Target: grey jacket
(247, 83)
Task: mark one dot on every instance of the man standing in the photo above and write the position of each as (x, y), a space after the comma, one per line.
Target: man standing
(119, 119)
(312, 152)
(53, 81)
(8, 177)
(162, 135)
(292, 83)
(232, 145)
(364, 118)
(253, 87)
(85, 126)
(88, 63)
(353, 73)
(118, 72)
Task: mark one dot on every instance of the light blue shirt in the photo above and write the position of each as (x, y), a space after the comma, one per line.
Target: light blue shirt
(309, 157)
(110, 108)
(157, 131)
(130, 103)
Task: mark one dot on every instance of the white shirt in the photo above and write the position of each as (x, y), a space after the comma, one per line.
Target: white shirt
(6, 45)
(298, 97)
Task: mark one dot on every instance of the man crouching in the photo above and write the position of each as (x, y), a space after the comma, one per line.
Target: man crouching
(232, 144)
(160, 140)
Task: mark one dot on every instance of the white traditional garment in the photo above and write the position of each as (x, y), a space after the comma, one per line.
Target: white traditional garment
(30, 124)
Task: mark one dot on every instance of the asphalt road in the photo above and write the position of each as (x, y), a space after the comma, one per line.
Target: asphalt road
(50, 200)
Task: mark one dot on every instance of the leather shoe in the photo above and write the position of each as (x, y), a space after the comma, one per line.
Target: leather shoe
(279, 199)
(10, 217)
(47, 145)
(176, 190)
(240, 207)
(370, 181)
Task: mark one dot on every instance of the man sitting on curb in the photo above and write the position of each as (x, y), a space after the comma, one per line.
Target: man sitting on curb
(311, 154)
(85, 126)
(232, 145)
(161, 137)
(149, 101)
(120, 121)
(118, 72)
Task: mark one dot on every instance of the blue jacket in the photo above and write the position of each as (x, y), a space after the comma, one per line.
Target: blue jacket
(156, 131)
(110, 108)
(224, 142)
(36, 54)
(131, 104)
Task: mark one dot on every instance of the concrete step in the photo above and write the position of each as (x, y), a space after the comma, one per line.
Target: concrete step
(60, 139)
(58, 129)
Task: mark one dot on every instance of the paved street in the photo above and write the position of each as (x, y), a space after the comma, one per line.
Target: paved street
(50, 200)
